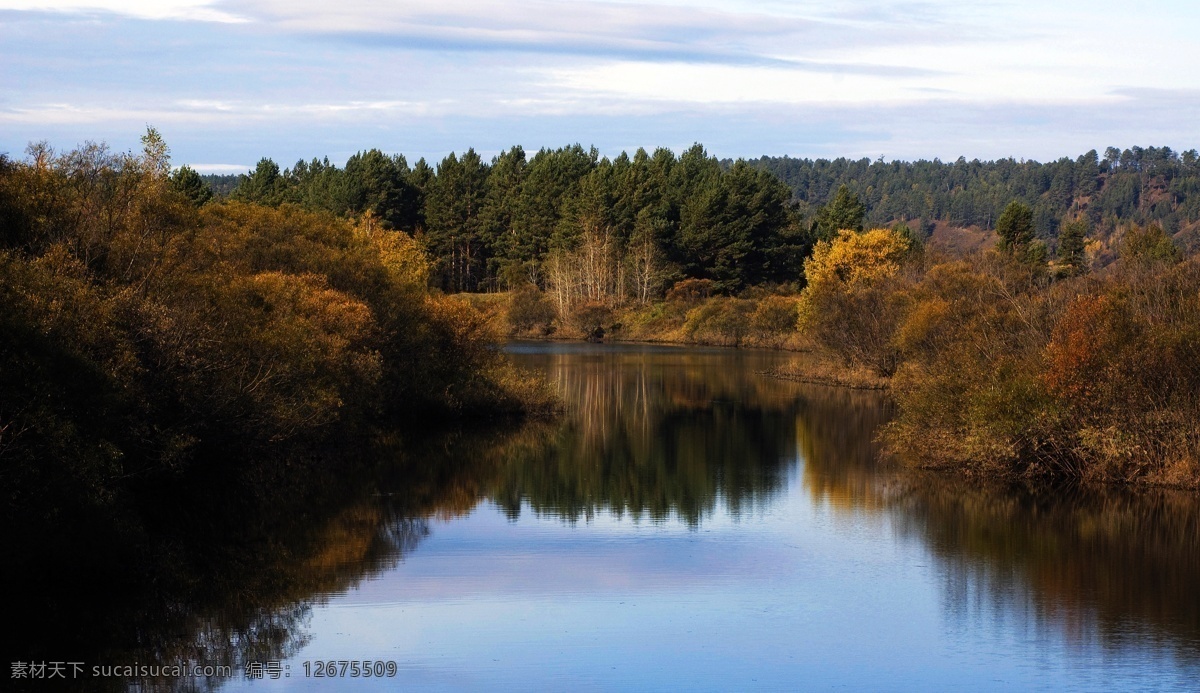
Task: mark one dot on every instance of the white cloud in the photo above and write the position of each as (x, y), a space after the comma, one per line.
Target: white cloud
(736, 51)
(679, 83)
(199, 10)
(207, 112)
(762, 76)
(221, 168)
(526, 20)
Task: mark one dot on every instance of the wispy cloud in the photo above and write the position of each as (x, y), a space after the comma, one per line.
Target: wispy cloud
(223, 169)
(189, 10)
(235, 80)
(721, 32)
(199, 111)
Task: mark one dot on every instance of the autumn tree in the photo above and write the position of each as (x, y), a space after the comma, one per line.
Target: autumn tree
(847, 306)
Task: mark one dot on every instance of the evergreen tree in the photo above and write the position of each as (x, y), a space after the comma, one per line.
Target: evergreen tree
(498, 220)
(844, 211)
(378, 183)
(1015, 228)
(421, 180)
(265, 185)
(187, 182)
(551, 177)
(453, 204)
(1071, 239)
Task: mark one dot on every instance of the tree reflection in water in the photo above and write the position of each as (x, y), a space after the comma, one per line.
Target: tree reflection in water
(1113, 567)
(223, 585)
(1110, 567)
(655, 434)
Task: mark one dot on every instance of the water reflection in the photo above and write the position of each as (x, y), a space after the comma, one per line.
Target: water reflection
(836, 432)
(1112, 568)
(656, 433)
(225, 572)
(671, 438)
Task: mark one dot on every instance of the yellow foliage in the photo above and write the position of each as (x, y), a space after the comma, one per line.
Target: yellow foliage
(774, 317)
(855, 259)
(923, 323)
(400, 254)
(847, 306)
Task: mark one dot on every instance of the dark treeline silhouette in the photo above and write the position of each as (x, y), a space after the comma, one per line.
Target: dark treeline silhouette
(223, 571)
(1137, 185)
(656, 434)
(1113, 568)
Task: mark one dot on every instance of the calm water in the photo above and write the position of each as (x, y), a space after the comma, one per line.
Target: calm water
(690, 525)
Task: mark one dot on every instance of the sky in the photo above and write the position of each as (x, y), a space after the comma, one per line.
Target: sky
(228, 83)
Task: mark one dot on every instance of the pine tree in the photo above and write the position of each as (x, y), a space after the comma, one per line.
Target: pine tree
(844, 211)
(453, 204)
(1015, 228)
(1070, 245)
(186, 181)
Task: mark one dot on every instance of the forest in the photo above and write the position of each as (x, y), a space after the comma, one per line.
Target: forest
(1137, 185)
(1067, 345)
(658, 218)
(643, 222)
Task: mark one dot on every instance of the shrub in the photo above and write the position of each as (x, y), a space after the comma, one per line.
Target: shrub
(1095, 379)
(530, 309)
(1148, 246)
(774, 318)
(724, 320)
(592, 319)
(690, 291)
(136, 322)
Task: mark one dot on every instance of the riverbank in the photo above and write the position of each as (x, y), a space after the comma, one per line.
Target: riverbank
(147, 336)
(1004, 365)
(759, 320)
(999, 369)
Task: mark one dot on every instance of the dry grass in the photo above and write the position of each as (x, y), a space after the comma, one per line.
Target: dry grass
(820, 370)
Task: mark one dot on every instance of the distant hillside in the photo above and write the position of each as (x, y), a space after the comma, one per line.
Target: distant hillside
(221, 185)
(1155, 184)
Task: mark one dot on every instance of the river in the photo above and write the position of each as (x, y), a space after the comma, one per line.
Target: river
(690, 524)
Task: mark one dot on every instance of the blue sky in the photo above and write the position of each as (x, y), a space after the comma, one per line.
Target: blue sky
(230, 82)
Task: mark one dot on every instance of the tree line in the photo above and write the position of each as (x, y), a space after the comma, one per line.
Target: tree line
(1152, 185)
(564, 219)
(626, 229)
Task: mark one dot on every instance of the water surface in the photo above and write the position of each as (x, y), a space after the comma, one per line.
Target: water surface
(692, 525)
